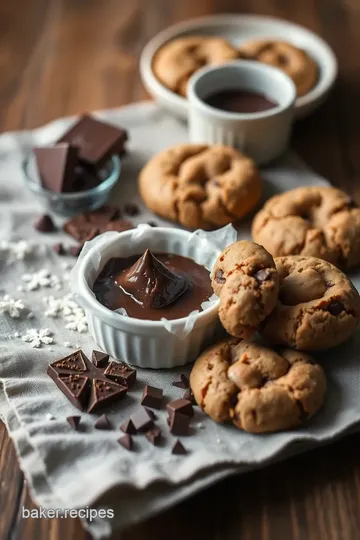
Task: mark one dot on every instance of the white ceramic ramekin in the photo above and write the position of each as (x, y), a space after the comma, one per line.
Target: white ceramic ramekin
(143, 343)
(262, 135)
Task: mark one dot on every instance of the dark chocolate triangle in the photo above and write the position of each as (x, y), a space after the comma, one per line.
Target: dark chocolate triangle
(128, 427)
(76, 388)
(104, 391)
(100, 359)
(74, 422)
(126, 441)
(178, 448)
(56, 165)
(74, 362)
(103, 423)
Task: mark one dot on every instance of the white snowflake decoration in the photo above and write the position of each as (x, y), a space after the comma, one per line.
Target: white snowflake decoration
(65, 307)
(41, 279)
(11, 306)
(16, 251)
(37, 338)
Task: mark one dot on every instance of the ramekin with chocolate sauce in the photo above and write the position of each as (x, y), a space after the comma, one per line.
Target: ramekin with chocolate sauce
(108, 273)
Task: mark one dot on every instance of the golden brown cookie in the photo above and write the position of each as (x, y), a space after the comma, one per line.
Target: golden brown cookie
(246, 280)
(318, 306)
(177, 60)
(295, 62)
(313, 221)
(200, 186)
(259, 389)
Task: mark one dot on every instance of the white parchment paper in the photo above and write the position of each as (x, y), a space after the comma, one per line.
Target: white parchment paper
(66, 469)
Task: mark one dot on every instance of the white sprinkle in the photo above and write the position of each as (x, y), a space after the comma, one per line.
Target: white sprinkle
(50, 417)
(200, 425)
(16, 335)
(16, 251)
(30, 315)
(41, 279)
(73, 315)
(20, 288)
(67, 344)
(218, 441)
(11, 306)
(66, 266)
(37, 338)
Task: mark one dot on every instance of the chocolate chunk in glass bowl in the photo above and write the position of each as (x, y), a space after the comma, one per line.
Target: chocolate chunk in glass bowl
(56, 165)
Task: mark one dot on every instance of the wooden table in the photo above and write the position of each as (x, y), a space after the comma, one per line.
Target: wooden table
(60, 57)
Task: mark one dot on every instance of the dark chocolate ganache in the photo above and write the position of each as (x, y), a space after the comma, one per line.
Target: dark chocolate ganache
(152, 286)
(240, 101)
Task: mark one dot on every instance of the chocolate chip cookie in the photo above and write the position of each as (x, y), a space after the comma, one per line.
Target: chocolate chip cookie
(318, 306)
(177, 60)
(312, 221)
(295, 62)
(246, 280)
(259, 389)
(200, 186)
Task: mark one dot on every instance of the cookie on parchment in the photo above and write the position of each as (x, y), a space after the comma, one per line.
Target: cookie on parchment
(200, 186)
(259, 389)
(318, 306)
(295, 62)
(177, 60)
(314, 221)
(246, 280)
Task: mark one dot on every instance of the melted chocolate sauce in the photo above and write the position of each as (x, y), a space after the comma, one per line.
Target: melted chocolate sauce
(153, 286)
(240, 101)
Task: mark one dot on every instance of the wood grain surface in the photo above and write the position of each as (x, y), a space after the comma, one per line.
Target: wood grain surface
(60, 57)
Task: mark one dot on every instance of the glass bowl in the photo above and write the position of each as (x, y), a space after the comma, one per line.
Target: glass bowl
(69, 204)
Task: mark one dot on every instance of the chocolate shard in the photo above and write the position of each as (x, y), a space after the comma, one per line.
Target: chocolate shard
(182, 406)
(59, 248)
(142, 420)
(84, 384)
(183, 382)
(178, 448)
(74, 422)
(126, 441)
(56, 165)
(179, 423)
(154, 436)
(152, 397)
(119, 225)
(128, 427)
(45, 224)
(96, 141)
(189, 396)
(100, 359)
(131, 209)
(121, 373)
(103, 423)
(75, 250)
(151, 283)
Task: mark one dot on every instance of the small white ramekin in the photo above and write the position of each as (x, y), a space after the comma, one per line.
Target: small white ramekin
(144, 343)
(262, 135)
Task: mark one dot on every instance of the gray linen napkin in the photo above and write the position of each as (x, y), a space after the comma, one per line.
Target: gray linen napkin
(66, 469)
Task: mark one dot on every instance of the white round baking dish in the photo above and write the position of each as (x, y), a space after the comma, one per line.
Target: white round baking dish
(144, 343)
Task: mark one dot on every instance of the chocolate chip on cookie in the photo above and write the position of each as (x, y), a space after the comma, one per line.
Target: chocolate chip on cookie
(248, 287)
(177, 60)
(310, 221)
(200, 186)
(309, 314)
(295, 62)
(259, 389)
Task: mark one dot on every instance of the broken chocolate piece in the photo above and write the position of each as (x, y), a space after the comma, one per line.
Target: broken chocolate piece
(335, 308)
(183, 383)
(75, 250)
(84, 384)
(103, 423)
(189, 396)
(131, 209)
(119, 225)
(100, 359)
(126, 441)
(151, 283)
(121, 373)
(262, 275)
(178, 448)
(152, 397)
(74, 422)
(56, 165)
(152, 223)
(182, 406)
(128, 427)
(142, 420)
(96, 141)
(45, 224)
(153, 436)
(178, 423)
(101, 216)
(59, 248)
